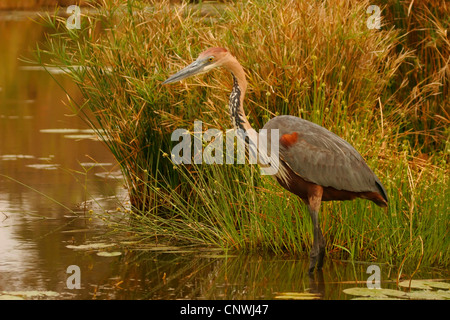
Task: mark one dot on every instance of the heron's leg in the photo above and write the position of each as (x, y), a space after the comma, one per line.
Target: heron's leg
(318, 248)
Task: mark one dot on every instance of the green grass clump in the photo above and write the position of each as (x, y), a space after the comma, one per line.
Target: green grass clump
(317, 60)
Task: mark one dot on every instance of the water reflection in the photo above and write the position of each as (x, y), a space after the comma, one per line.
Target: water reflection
(200, 274)
(46, 178)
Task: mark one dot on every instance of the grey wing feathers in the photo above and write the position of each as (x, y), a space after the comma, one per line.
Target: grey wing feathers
(321, 157)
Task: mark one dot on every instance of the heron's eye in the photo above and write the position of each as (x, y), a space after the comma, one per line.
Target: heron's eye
(210, 59)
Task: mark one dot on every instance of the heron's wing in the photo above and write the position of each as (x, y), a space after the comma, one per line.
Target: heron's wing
(323, 158)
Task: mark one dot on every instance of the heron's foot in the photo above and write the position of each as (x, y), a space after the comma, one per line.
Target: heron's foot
(316, 258)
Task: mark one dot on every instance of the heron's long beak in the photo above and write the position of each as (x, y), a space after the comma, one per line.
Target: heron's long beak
(194, 68)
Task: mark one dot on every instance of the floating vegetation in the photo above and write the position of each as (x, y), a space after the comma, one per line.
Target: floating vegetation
(71, 130)
(43, 166)
(95, 164)
(9, 157)
(161, 248)
(297, 296)
(110, 175)
(10, 297)
(424, 284)
(215, 256)
(20, 295)
(427, 291)
(109, 254)
(375, 293)
(91, 246)
(62, 130)
(430, 295)
(81, 136)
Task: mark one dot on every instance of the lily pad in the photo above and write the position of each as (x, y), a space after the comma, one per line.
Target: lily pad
(217, 256)
(439, 284)
(91, 246)
(365, 292)
(393, 293)
(429, 295)
(42, 166)
(298, 296)
(95, 164)
(15, 156)
(376, 298)
(110, 175)
(61, 130)
(81, 136)
(161, 248)
(10, 297)
(425, 284)
(109, 254)
(31, 294)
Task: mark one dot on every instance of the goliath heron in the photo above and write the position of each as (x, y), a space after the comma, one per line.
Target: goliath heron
(317, 165)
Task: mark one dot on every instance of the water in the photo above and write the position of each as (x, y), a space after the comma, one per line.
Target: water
(54, 165)
(47, 164)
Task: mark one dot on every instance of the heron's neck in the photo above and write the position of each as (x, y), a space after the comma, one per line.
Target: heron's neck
(237, 113)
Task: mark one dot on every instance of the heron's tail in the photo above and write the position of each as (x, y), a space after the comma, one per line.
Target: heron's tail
(383, 193)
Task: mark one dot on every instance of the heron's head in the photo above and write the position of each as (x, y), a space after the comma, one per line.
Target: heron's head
(206, 61)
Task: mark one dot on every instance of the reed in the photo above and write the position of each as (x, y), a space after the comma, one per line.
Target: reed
(317, 60)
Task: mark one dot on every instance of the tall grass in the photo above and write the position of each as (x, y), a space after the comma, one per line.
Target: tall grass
(312, 59)
(422, 85)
